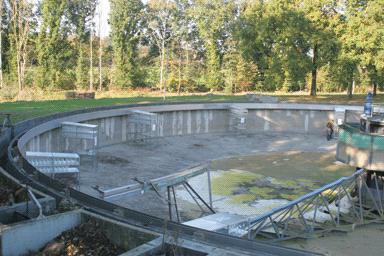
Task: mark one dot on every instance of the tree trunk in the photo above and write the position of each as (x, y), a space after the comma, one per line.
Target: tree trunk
(161, 64)
(350, 88)
(1, 45)
(100, 53)
(187, 63)
(91, 64)
(1, 56)
(178, 89)
(314, 71)
(374, 83)
(19, 70)
(100, 66)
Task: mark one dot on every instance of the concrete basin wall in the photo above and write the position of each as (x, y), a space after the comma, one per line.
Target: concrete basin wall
(21, 238)
(186, 119)
(27, 208)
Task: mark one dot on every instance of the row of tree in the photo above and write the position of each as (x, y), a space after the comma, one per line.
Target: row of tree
(189, 45)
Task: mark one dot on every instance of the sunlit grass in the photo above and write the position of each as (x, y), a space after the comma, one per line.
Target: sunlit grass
(21, 110)
(38, 103)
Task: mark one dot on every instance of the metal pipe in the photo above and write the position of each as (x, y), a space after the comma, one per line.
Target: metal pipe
(41, 215)
(209, 184)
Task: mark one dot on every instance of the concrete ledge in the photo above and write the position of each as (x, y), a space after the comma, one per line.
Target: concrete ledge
(27, 208)
(186, 119)
(80, 95)
(18, 239)
(261, 98)
(186, 247)
(122, 235)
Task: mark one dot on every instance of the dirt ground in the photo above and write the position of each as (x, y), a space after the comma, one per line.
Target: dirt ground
(310, 158)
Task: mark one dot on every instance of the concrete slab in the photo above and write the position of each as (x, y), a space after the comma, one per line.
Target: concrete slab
(118, 164)
(215, 221)
(188, 247)
(32, 235)
(19, 239)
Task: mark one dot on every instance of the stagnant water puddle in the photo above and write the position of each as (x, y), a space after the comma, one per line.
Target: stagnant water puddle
(252, 185)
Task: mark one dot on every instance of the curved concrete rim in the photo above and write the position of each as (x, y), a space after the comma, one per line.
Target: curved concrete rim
(184, 106)
(177, 107)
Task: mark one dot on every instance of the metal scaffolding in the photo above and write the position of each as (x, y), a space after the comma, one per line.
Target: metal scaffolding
(81, 139)
(237, 118)
(328, 208)
(141, 126)
(171, 181)
(55, 163)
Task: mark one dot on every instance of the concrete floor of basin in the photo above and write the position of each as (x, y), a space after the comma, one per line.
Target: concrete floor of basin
(284, 156)
(156, 158)
(252, 185)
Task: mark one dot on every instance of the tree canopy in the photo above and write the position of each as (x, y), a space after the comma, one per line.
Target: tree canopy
(194, 45)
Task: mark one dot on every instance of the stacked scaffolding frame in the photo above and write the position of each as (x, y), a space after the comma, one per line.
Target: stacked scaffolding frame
(141, 126)
(55, 163)
(237, 117)
(339, 117)
(81, 139)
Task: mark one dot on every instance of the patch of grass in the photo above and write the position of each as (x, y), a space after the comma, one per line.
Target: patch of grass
(304, 180)
(289, 183)
(225, 183)
(311, 185)
(240, 199)
(33, 103)
(22, 110)
(263, 192)
(294, 194)
(289, 197)
(341, 98)
(312, 167)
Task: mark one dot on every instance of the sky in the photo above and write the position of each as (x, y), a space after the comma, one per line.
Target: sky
(103, 8)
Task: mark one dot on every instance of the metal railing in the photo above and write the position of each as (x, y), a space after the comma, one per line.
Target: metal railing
(140, 187)
(326, 209)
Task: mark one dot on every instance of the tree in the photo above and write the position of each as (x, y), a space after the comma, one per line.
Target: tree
(366, 23)
(276, 36)
(161, 17)
(324, 17)
(52, 46)
(22, 15)
(126, 20)
(80, 15)
(349, 57)
(1, 44)
(213, 19)
(100, 12)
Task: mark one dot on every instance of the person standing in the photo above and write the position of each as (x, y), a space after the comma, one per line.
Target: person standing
(329, 128)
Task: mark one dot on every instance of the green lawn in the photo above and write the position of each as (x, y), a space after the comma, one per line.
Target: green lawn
(22, 110)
